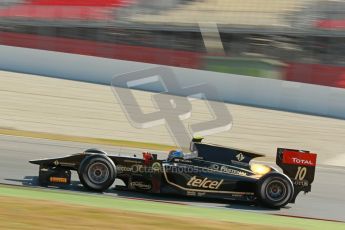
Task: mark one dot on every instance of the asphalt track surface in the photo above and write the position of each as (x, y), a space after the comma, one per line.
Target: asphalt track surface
(326, 201)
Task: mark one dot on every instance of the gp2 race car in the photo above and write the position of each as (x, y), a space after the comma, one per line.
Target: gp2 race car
(210, 171)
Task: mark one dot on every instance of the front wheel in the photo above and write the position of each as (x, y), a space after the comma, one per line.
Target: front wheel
(97, 172)
(275, 190)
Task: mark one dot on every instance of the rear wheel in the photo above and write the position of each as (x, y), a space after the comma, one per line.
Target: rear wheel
(275, 190)
(97, 172)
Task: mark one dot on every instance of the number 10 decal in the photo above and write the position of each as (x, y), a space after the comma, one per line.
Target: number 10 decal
(301, 173)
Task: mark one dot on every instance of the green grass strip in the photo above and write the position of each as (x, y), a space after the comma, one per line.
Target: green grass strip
(167, 209)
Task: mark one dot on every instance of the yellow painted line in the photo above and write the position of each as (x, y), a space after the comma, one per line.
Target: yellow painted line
(100, 141)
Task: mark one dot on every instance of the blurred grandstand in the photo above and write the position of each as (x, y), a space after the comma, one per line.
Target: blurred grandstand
(295, 40)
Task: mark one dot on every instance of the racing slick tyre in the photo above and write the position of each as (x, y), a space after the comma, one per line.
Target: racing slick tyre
(275, 190)
(97, 172)
(95, 151)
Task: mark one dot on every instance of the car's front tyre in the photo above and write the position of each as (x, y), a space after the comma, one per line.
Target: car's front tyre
(275, 190)
(97, 172)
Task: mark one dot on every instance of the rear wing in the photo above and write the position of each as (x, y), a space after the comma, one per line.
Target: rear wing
(299, 166)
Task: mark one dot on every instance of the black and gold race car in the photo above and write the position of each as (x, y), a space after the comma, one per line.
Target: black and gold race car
(208, 171)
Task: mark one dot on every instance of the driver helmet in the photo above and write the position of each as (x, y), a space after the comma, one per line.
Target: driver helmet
(175, 154)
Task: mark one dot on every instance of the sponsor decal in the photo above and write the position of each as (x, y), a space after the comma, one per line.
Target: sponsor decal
(201, 194)
(204, 183)
(122, 168)
(137, 168)
(303, 183)
(57, 163)
(237, 195)
(182, 160)
(226, 169)
(299, 158)
(240, 157)
(58, 180)
(191, 193)
(156, 167)
(140, 185)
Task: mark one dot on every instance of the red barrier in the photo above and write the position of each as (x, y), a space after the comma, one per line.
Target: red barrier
(330, 24)
(57, 13)
(327, 75)
(94, 10)
(102, 49)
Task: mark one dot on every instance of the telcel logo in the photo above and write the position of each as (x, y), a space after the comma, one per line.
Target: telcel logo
(204, 183)
(301, 161)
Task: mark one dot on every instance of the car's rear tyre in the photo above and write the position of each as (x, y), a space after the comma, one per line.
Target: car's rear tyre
(275, 190)
(97, 172)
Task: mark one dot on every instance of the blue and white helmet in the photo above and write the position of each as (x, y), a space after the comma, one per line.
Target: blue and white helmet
(175, 154)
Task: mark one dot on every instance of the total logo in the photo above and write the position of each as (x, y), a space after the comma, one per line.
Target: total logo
(299, 158)
(301, 161)
(204, 183)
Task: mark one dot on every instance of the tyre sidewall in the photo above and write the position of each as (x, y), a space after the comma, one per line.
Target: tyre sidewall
(87, 163)
(262, 188)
